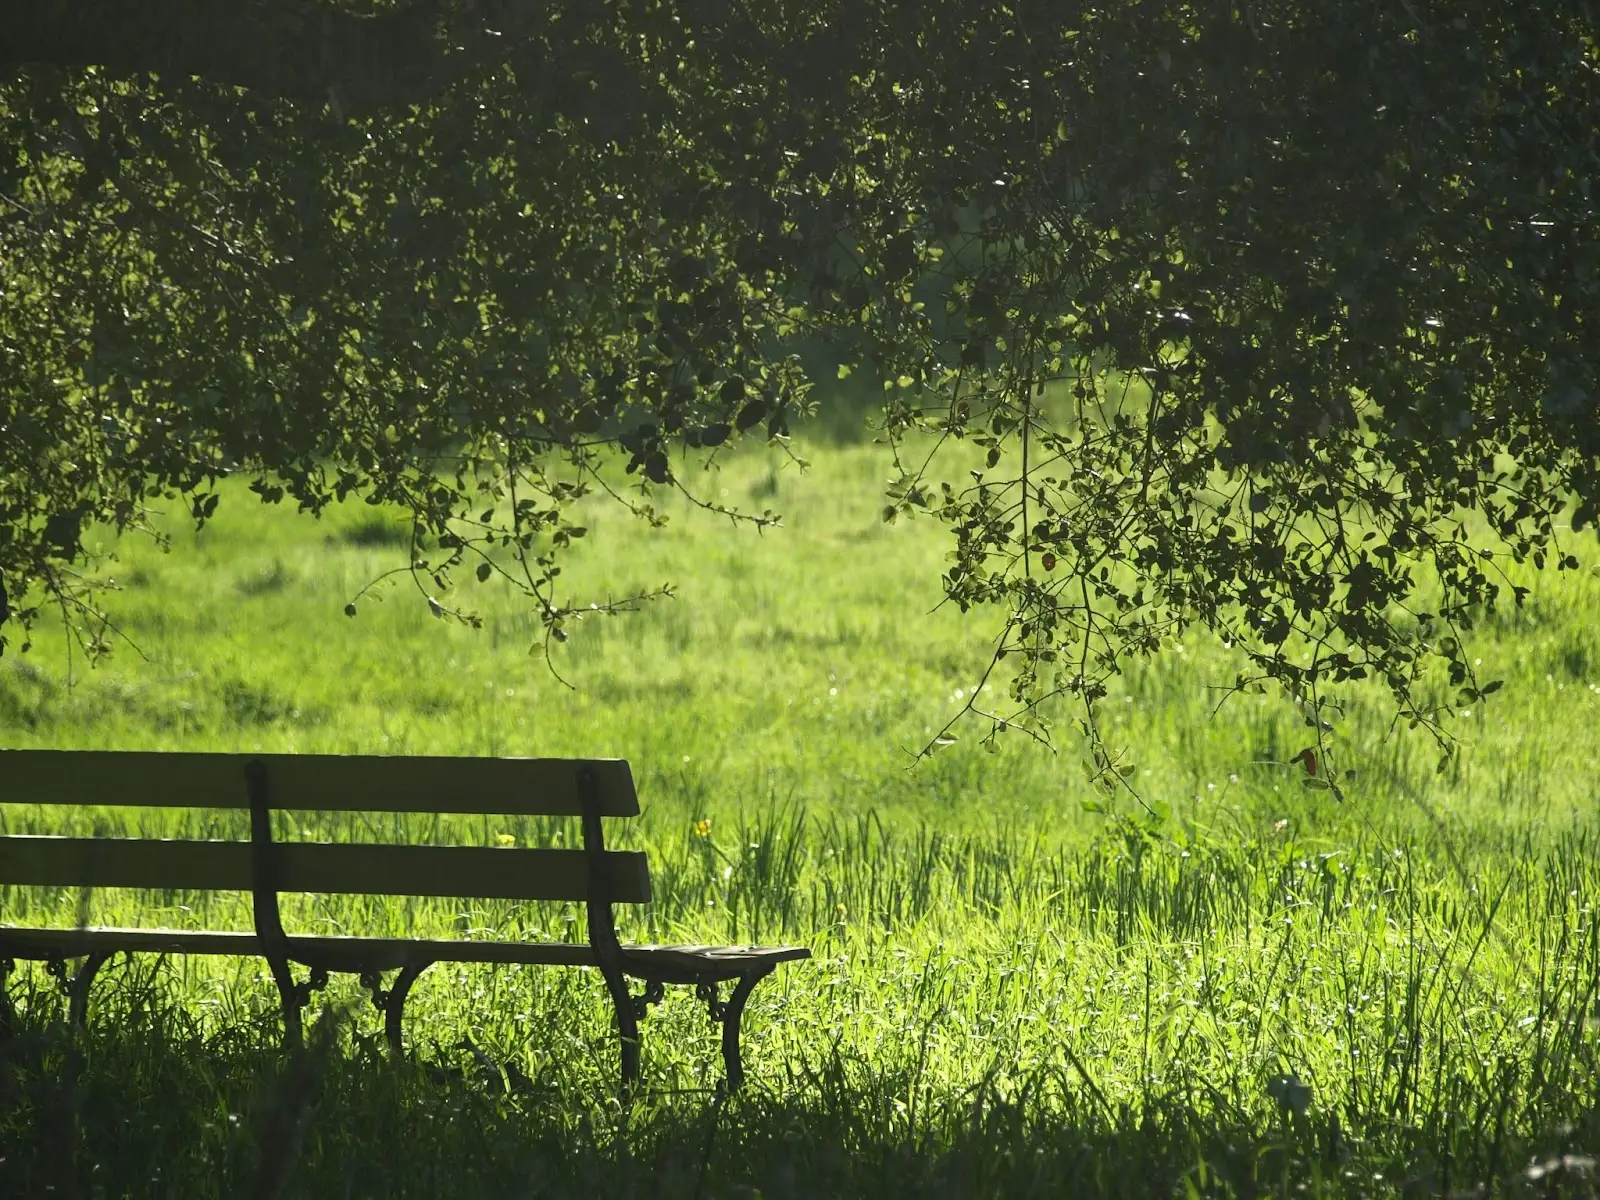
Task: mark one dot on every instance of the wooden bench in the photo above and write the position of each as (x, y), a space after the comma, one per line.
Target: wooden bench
(261, 783)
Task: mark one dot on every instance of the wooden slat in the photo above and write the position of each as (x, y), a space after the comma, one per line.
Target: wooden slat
(332, 953)
(321, 782)
(342, 953)
(458, 871)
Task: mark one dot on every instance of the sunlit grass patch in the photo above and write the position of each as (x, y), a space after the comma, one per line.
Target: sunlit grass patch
(1268, 992)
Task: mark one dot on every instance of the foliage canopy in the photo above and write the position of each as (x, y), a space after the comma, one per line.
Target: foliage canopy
(1273, 318)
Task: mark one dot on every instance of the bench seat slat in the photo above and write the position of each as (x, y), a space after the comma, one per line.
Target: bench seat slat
(385, 954)
(336, 868)
(317, 782)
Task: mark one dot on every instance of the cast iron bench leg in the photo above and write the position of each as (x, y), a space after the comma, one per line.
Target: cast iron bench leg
(732, 1014)
(627, 1027)
(397, 1001)
(295, 996)
(7, 1017)
(288, 993)
(78, 989)
(392, 1002)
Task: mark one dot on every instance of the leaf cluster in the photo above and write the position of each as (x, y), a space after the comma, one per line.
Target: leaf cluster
(1273, 319)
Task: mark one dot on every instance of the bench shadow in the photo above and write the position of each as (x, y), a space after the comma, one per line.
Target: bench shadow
(149, 1109)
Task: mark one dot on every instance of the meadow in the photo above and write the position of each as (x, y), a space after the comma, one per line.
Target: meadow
(1270, 992)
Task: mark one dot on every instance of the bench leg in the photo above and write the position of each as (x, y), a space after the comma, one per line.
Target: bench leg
(76, 984)
(627, 1029)
(78, 989)
(295, 996)
(732, 1014)
(289, 994)
(392, 1002)
(394, 1010)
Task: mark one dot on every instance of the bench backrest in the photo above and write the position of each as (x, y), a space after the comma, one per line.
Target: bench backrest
(587, 788)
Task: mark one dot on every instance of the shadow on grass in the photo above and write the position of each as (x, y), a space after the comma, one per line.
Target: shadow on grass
(140, 1111)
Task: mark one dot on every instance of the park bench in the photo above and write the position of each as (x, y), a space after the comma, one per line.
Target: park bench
(589, 789)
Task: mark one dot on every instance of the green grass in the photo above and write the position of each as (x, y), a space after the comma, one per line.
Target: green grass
(1010, 995)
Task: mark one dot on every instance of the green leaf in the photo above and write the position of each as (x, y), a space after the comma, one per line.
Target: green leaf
(752, 414)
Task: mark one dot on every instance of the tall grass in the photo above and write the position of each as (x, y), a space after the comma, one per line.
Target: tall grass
(1271, 993)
